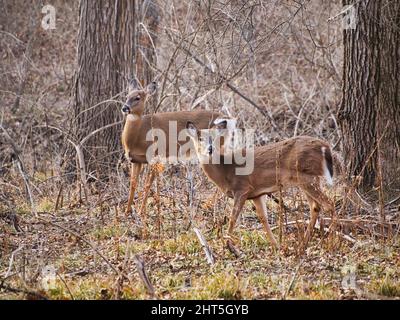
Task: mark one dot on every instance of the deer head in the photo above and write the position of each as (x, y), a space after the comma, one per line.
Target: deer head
(209, 141)
(136, 98)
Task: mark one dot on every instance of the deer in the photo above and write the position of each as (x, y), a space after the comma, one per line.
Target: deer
(137, 126)
(295, 162)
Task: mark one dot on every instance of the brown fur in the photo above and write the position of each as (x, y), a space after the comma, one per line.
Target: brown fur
(295, 162)
(134, 132)
(291, 162)
(134, 136)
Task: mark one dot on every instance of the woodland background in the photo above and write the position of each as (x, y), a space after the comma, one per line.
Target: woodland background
(283, 68)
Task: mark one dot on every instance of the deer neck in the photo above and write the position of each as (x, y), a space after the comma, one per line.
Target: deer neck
(132, 127)
(217, 172)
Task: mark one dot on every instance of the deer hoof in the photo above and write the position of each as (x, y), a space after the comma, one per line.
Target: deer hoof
(275, 245)
(230, 244)
(231, 238)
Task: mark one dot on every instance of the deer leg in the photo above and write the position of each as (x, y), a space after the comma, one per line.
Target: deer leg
(239, 201)
(135, 171)
(142, 211)
(327, 205)
(314, 213)
(316, 199)
(262, 213)
(230, 238)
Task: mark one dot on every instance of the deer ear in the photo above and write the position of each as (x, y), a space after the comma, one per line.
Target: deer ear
(191, 129)
(133, 84)
(151, 88)
(220, 124)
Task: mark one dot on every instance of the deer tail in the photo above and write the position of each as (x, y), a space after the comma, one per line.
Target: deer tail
(327, 165)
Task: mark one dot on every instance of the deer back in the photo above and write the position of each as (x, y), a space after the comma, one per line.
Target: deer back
(134, 135)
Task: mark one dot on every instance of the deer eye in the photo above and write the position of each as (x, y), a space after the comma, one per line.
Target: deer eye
(133, 99)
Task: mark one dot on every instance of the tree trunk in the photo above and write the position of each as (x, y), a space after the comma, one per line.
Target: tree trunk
(146, 56)
(369, 114)
(108, 54)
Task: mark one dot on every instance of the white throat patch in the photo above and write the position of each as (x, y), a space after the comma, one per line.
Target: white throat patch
(132, 117)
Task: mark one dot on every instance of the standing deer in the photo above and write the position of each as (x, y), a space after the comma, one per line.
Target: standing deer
(138, 125)
(296, 162)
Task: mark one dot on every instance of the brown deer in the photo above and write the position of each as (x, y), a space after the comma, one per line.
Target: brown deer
(138, 125)
(296, 162)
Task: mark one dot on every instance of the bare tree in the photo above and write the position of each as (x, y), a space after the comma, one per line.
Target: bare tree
(113, 45)
(369, 112)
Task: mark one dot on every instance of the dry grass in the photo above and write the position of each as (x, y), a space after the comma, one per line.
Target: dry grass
(175, 260)
(92, 244)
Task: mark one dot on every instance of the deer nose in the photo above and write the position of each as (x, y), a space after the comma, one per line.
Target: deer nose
(125, 109)
(210, 149)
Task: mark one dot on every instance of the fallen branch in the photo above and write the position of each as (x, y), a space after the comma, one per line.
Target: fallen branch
(206, 247)
(291, 284)
(318, 226)
(340, 234)
(143, 276)
(11, 262)
(31, 294)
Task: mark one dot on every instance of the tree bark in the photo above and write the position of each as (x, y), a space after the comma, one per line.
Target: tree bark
(369, 113)
(146, 37)
(109, 53)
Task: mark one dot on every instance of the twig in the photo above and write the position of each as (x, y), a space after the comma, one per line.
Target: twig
(20, 166)
(81, 238)
(228, 84)
(11, 262)
(79, 150)
(58, 197)
(66, 286)
(288, 224)
(344, 11)
(317, 226)
(24, 73)
(143, 275)
(392, 201)
(206, 247)
(27, 185)
(292, 281)
(25, 291)
(344, 236)
(301, 111)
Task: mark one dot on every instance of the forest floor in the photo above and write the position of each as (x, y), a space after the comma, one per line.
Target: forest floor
(75, 248)
(92, 247)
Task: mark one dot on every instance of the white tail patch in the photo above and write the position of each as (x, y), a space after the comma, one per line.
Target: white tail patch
(327, 174)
